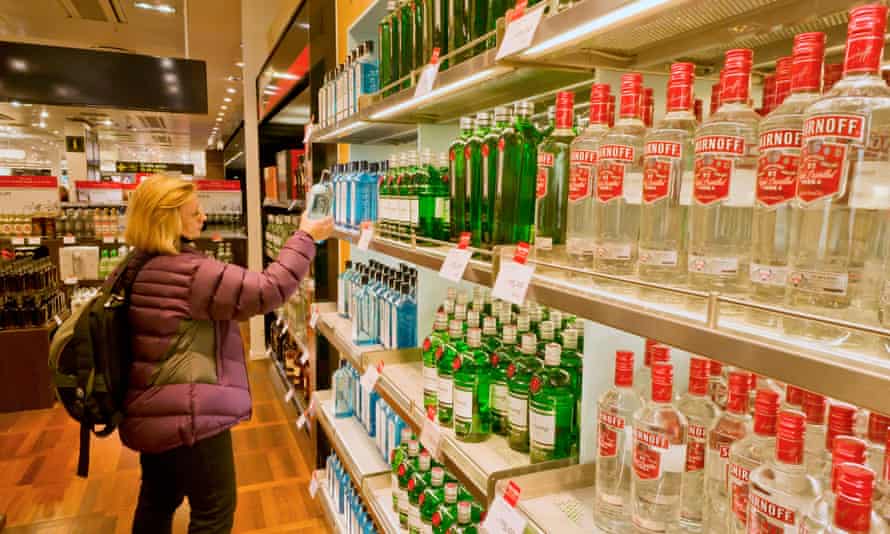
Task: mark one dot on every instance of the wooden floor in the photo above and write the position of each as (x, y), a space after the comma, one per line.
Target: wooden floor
(41, 494)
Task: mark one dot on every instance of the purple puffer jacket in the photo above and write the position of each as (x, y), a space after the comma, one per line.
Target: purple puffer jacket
(189, 377)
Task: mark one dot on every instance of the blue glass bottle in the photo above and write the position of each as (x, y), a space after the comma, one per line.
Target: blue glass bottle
(361, 306)
(351, 183)
(342, 390)
(339, 200)
(366, 194)
(406, 312)
(343, 290)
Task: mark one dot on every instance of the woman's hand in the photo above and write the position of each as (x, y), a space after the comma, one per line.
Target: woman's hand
(319, 229)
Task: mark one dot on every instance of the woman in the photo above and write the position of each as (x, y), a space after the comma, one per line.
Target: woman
(188, 385)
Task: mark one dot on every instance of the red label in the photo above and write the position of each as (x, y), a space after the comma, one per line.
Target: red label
(439, 352)
(863, 53)
(781, 139)
(608, 442)
(541, 183)
(664, 149)
(511, 370)
(579, 183)
(610, 181)
(697, 432)
(738, 472)
(695, 456)
(711, 179)
(545, 160)
(652, 439)
(821, 168)
(48, 182)
(511, 494)
(619, 152)
(455, 364)
(771, 510)
(723, 450)
(739, 496)
(464, 241)
(535, 384)
(518, 11)
(647, 461)
(720, 144)
(501, 144)
(584, 157)
(843, 126)
(612, 420)
(485, 151)
(776, 177)
(521, 254)
(656, 179)
(467, 152)
(451, 154)
(434, 59)
(427, 344)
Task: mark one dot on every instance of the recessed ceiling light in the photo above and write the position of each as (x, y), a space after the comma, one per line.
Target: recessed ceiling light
(219, 119)
(227, 99)
(16, 104)
(160, 8)
(56, 132)
(231, 90)
(224, 107)
(44, 114)
(35, 124)
(28, 105)
(107, 122)
(239, 64)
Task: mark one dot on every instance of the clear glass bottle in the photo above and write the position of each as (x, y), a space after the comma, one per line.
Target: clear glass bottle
(614, 458)
(853, 511)
(667, 183)
(840, 423)
(781, 493)
(655, 353)
(659, 457)
(700, 413)
(581, 229)
(725, 163)
(619, 184)
(551, 192)
(847, 449)
(781, 135)
(841, 195)
(814, 407)
(747, 454)
(731, 426)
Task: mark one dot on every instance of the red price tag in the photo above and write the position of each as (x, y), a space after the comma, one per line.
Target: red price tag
(464, 240)
(434, 59)
(521, 255)
(517, 11)
(511, 494)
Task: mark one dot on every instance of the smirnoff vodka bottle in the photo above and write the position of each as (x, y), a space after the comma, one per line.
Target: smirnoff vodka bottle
(659, 457)
(780, 140)
(853, 505)
(725, 163)
(581, 223)
(733, 425)
(667, 183)
(842, 192)
(700, 412)
(615, 411)
(619, 184)
(552, 180)
(749, 453)
(781, 493)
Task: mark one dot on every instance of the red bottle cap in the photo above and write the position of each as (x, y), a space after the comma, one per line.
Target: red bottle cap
(647, 355)
(680, 91)
(624, 368)
(631, 95)
(766, 411)
(716, 368)
(847, 449)
(808, 53)
(833, 73)
(769, 93)
(698, 376)
(661, 354)
(865, 39)
(814, 407)
(877, 427)
(784, 69)
(840, 422)
(662, 382)
(794, 395)
(737, 399)
(565, 110)
(852, 510)
(737, 75)
(789, 437)
(599, 103)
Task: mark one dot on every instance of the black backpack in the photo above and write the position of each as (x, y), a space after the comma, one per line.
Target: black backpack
(90, 357)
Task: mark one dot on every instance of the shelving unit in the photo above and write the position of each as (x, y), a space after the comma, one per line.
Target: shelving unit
(377, 491)
(333, 518)
(338, 331)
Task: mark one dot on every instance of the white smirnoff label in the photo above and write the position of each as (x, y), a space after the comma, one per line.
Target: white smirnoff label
(581, 176)
(820, 282)
(720, 144)
(695, 449)
(777, 166)
(658, 169)
(545, 162)
(610, 426)
(823, 165)
(653, 453)
(739, 477)
(769, 517)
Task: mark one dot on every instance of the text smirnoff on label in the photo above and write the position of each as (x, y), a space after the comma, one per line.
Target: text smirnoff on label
(612, 420)
(720, 144)
(770, 509)
(697, 431)
(619, 152)
(843, 126)
(739, 472)
(664, 149)
(582, 157)
(781, 139)
(652, 439)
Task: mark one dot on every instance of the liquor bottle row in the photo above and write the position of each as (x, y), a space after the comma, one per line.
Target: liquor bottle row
(288, 352)
(358, 76)
(381, 302)
(224, 222)
(355, 193)
(30, 293)
(90, 262)
(426, 497)
(518, 379)
(799, 464)
(279, 228)
(347, 502)
(221, 251)
(25, 224)
(91, 223)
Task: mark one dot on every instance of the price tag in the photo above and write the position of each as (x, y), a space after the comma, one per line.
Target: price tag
(502, 517)
(431, 438)
(71, 281)
(69, 240)
(313, 319)
(17, 240)
(33, 241)
(289, 396)
(514, 278)
(457, 259)
(108, 239)
(371, 376)
(313, 486)
(428, 76)
(301, 421)
(520, 31)
(365, 238)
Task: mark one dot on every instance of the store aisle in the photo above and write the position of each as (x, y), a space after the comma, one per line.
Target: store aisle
(41, 494)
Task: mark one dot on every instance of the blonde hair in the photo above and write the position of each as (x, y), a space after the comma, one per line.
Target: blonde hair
(154, 224)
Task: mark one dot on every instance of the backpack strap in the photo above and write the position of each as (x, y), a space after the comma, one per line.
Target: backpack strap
(83, 457)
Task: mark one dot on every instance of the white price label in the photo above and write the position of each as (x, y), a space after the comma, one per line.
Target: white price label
(313, 320)
(33, 241)
(313, 487)
(426, 81)
(108, 239)
(503, 519)
(455, 264)
(512, 282)
(18, 240)
(431, 437)
(301, 421)
(520, 33)
(371, 376)
(365, 238)
(71, 281)
(289, 396)
(69, 240)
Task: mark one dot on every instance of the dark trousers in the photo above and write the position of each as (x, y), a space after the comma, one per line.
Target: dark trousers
(205, 473)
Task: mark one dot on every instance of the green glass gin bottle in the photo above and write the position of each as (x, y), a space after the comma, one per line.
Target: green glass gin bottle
(476, 178)
(418, 482)
(445, 371)
(500, 361)
(551, 409)
(520, 174)
(457, 175)
(406, 469)
(491, 161)
(519, 374)
(406, 34)
(432, 345)
(472, 391)
(431, 498)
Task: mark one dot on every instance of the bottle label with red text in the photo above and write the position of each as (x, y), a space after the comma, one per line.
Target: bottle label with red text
(583, 163)
(695, 449)
(777, 166)
(824, 165)
(738, 491)
(717, 177)
(609, 181)
(653, 453)
(765, 516)
(658, 169)
(611, 426)
(545, 162)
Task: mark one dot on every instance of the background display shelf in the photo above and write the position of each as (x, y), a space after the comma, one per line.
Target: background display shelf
(338, 330)
(377, 491)
(334, 519)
